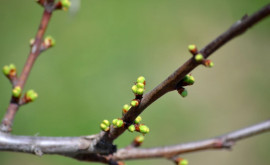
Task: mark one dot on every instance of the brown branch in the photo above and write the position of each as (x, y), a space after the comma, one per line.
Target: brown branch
(13, 107)
(220, 142)
(172, 81)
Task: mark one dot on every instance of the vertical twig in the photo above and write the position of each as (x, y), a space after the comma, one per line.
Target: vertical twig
(13, 107)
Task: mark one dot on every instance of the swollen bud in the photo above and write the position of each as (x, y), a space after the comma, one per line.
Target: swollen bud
(49, 41)
(183, 162)
(143, 129)
(104, 127)
(131, 128)
(192, 49)
(134, 103)
(141, 79)
(126, 107)
(65, 4)
(208, 63)
(188, 80)
(17, 91)
(140, 91)
(199, 57)
(31, 95)
(138, 119)
(139, 139)
(183, 92)
(9, 70)
(119, 123)
(140, 85)
(134, 89)
(114, 122)
(31, 41)
(106, 122)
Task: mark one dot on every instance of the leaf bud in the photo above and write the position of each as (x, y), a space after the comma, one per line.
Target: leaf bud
(131, 128)
(138, 119)
(199, 57)
(16, 92)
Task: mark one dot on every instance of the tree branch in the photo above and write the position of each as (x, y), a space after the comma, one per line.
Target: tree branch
(172, 81)
(13, 107)
(220, 142)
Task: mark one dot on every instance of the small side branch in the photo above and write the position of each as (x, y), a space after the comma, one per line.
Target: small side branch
(220, 142)
(171, 83)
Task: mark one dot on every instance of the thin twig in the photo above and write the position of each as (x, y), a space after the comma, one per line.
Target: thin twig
(13, 107)
(220, 142)
(171, 82)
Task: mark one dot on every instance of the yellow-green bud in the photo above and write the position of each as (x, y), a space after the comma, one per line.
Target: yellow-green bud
(140, 85)
(31, 41)
(6, 70)
(183, 162)
(131, 128)
(65, 4)
(140, 91)
(141, 79)
(104, 127)
(144, 129)
(199, 57)
(49, 41)
(114, 122)
(192, 49)
(106, 122)
(134, 103)
(139, 139)
(134, 89)
(184, 93)
(16, 92)
(189, 80)
(138, 119)
(119, 123)
(31, 95)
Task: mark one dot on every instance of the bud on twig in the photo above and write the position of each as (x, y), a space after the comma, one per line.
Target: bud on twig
(49, 41)
(9, 70)
(141, 79)
(143, 129)
(208, 63)
(182, 91)
(192, 49)
(199, 57)
(134, 103)
(31, 95)
(105, 125)
(188, 80)
(181, 161)
(63, 4)
(131, 128)
(17, 91)
(138, 120)
(126, 107)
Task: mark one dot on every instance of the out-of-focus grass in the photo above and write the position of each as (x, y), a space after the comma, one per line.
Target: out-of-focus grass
(102, 49)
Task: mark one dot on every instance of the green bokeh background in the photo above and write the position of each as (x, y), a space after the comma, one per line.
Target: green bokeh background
(101, 50)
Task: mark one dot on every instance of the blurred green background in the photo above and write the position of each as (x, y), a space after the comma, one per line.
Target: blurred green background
(103, 47)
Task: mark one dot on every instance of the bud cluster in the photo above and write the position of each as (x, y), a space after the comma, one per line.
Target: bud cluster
(9, 70)
(105, 125)
(138, 88)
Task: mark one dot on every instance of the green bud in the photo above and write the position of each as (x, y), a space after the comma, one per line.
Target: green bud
(31, 95)
(199, 57)
(141, 79)
(144, 129)
(140, 85)
(106, 122)
(6, 70)
(134, 103)
(16, 92)
(183, 162)
(138, 119)
(140, 91)
(134, 89)
(12, 67)
(104, 127)
(114, 122)
(65, 4)
(126, 107)
(131, 128)
(49, 41)
(192, 47)
(31, 41)
(119, 123)
(189, 80)
(208, 63)
(184, 93)
(139, 139)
